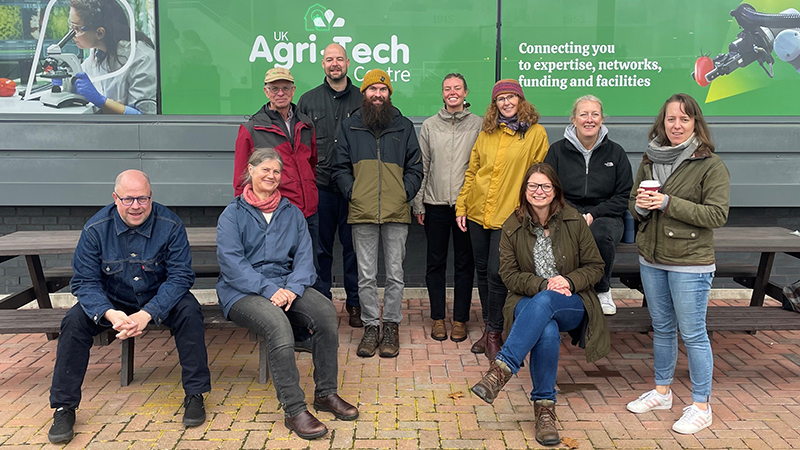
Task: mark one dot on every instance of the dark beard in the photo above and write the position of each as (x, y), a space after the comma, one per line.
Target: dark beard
(377, 117)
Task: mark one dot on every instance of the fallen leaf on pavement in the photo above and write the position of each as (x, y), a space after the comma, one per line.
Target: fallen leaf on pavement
(456, 395)
(569, 442)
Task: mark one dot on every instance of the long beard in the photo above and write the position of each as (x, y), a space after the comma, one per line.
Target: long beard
(377, 117)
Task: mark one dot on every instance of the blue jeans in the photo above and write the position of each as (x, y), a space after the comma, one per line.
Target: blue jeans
(538, 320)
(679, 301)
(332, 211)
(313, 311)
(185, 320)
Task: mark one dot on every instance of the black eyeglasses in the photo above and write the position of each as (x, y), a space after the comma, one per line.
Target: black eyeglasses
(128, 201)
(546, 188)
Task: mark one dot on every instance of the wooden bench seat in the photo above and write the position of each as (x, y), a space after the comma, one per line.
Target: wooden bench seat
(29, 321)
(718, 318)
(744, 274)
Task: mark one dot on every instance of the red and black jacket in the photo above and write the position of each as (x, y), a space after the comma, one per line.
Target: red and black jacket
(266, 128)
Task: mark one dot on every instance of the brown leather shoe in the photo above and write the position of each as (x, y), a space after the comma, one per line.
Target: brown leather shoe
(355, 316)
(492, 382)
(459, 331)
(546, 432)
(494, 341)
(480, 345)
(439, 332)
(369, 341)
(336, 405)
(306, 426)
(390, 341)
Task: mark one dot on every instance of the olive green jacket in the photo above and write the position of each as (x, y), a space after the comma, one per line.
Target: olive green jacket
(577, 260)
(699, 196)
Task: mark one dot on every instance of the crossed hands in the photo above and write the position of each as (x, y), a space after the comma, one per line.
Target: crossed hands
(560, 285)
(283, 298)
(127, 326)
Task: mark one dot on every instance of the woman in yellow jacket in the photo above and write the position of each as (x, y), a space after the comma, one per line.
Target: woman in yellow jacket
(510, 141)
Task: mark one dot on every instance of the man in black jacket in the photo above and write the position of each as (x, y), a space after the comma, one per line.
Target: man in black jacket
(328, 105)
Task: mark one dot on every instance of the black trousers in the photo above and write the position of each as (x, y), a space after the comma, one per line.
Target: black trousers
(75, 341)
(486, 250)
(440, 220)
(607, 232)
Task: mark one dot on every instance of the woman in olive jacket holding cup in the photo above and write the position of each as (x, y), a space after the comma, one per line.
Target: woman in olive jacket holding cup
(681, 193)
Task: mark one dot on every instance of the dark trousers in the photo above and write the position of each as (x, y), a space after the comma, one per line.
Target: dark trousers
(440, 220)
(313, 311)
(607, 232)
(312, 222)
(185, 321)
(332, 210)
(492, 291)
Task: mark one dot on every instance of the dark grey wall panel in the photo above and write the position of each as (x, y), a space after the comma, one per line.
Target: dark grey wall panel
(60, 160)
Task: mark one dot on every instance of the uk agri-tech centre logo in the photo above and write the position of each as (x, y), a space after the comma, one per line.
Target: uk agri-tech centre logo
(286, 51)
(320, 18)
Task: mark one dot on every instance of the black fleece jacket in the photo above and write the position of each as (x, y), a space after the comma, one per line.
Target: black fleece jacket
(602, 189)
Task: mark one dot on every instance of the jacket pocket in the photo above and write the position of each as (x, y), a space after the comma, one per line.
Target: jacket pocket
(111, 268)
(682, 241)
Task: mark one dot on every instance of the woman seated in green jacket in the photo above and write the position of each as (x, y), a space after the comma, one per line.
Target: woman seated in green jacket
(550, 264)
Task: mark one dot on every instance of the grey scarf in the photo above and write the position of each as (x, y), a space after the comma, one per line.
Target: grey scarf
(667, 158)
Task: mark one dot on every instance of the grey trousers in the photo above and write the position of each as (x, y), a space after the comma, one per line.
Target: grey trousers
(366, 238)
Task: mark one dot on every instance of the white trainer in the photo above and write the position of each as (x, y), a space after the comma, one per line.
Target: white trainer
(650, 401)
(693, 420)
(607, 303)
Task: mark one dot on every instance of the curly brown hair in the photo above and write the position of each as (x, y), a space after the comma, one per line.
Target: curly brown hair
(526, 112)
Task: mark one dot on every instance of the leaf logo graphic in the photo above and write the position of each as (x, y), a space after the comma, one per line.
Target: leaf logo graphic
(320, 18)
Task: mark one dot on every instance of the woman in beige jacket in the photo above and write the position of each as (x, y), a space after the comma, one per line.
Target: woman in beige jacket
(446, 141)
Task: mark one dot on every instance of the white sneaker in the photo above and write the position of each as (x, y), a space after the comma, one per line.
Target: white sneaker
(607, 303)
(649, 401)
(693, 420)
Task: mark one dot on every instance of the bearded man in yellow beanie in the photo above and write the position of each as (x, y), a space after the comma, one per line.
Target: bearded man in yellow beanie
(378, 168)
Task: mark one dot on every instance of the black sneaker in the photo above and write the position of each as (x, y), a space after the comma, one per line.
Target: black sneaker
(63, 422)
(303, 346)
(195, 413)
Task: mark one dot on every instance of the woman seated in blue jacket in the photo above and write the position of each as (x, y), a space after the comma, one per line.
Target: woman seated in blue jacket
(266, 270)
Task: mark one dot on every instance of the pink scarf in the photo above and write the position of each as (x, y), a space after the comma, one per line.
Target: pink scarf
(269, 205)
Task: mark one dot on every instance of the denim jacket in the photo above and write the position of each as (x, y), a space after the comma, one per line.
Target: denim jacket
(144, 268)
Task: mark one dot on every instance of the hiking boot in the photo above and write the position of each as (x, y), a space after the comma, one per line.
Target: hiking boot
(439, 332)
(607, 303)
(546, 432)
(493, 381)
(494, 342)
(369, 341)
(459, 331)
(63, 423)
(390, 341)
(355, 316)
(194, 413)
(480, 345)
(306, 426)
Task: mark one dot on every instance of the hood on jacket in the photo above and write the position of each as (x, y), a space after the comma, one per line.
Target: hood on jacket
(571, 134)
(458, 116)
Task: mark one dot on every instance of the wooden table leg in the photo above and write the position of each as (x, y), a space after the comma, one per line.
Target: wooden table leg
(762, 279)
(39, 285)
(126, 368)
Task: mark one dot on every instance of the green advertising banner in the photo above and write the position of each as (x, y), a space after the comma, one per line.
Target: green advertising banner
(214, 53)
(633, 55)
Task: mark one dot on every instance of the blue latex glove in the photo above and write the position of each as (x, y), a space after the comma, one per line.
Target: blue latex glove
(84, 87)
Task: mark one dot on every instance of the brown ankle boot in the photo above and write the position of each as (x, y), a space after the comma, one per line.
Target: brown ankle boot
(546, 432)
(494, 341)
(492, 382)
(480, 345)
(438, 331)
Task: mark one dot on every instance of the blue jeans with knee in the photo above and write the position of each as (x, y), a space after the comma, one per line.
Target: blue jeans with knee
(185, 320)
(538, 321)
(313, 311)
(679, 300)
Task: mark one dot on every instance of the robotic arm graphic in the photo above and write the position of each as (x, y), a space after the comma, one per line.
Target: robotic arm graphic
(761, 34)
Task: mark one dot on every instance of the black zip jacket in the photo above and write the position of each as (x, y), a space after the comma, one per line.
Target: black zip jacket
(328, 109)
(602, 189)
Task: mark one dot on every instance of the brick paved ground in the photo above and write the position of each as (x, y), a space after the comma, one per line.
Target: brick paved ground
(406, 402)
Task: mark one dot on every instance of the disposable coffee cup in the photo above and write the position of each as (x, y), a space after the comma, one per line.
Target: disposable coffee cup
(650, 185)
